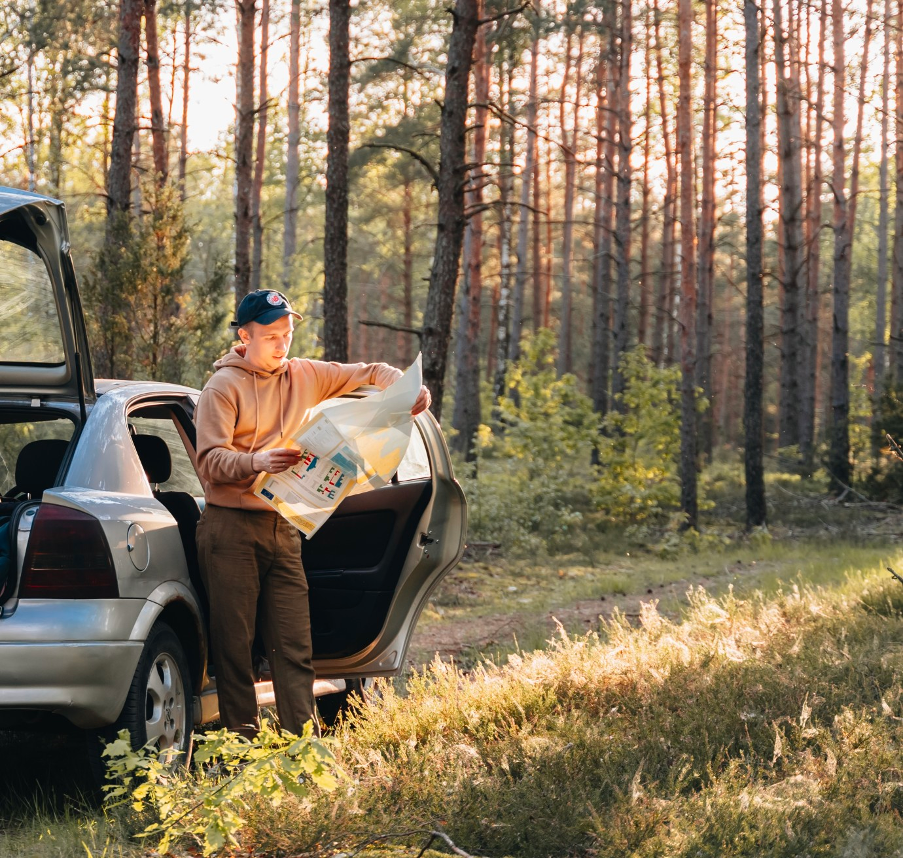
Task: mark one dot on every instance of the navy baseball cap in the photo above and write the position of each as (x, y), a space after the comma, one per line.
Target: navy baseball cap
(263, 306)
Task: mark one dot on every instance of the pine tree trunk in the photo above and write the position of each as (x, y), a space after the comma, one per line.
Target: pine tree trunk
(882, 230)
(688, 460)
(810, 340)
(706, 242)
(450, 205)
(895, 361)
(568, 143)
(663, 337)
(158, 130)
(644, 315)
(335, 236)
(506, 165)
(537, 273)
(839, 464)
(602, 232)
(530, 158)
(755, 491)
(290, 216)
(186, 76)
(244, 138)
(623, 205)
(119, 177)
(257, 224)
(466, 413)
(792, 278)
(407, 273)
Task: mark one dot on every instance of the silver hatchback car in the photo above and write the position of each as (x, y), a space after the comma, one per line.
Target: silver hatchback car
(102, 613)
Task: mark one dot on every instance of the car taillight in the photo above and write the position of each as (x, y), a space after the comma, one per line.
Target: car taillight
(67, 557)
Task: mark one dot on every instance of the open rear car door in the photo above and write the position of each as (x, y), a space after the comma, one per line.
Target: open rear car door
(372, 566)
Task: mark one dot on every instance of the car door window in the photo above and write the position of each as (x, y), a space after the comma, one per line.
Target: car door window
(183, 478)
(29, 324)
(416, 464)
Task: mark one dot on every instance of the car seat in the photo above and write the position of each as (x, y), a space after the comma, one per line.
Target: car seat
(37, 467)
(158, 466)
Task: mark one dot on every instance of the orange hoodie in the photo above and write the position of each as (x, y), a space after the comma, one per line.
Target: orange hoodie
(243, 410)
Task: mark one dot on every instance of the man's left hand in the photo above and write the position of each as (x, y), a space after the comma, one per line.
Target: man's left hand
(422, 403)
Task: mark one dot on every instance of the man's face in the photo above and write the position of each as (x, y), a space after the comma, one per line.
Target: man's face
(267, 345)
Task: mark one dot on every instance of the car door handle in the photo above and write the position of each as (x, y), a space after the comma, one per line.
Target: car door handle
(426, 539)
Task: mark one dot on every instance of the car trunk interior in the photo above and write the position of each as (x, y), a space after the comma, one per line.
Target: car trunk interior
(33, 445)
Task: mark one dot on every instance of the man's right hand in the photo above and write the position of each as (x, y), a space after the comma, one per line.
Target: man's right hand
(275, 461)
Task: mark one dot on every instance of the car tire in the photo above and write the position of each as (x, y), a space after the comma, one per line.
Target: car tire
(333, 708)
(159, 705)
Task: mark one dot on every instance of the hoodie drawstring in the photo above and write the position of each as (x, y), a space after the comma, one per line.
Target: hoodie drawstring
(257, 413)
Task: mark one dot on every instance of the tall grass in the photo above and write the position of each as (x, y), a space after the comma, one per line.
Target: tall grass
(766, 727)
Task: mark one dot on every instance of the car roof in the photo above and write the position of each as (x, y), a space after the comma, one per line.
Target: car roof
(12, 198)
(105, 385)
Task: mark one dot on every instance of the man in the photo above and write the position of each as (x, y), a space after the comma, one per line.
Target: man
(250, 556)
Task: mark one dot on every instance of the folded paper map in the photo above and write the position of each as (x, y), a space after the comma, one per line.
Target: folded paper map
(351, 444)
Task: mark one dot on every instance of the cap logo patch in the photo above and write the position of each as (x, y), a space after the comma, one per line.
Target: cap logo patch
(274, 298)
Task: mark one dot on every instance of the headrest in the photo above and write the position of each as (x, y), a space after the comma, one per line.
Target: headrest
(155, 457)
(38, 464)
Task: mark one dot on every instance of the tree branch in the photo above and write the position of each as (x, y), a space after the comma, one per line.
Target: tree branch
(402, 328)
(521, 8)
(417, 157)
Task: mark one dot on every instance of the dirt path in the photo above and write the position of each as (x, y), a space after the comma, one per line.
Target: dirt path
(461, 638)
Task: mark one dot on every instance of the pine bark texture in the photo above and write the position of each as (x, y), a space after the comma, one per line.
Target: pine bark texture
(895, 359)
(158, 127)
(335, 236)
(792, 271)
(566, 328)
(527, 174)
(293, 143)
(260, 155)
(119, 176)
(244, 139)
(623, 204)
(466, 413)
(688, 458)
(706, 248)
(450, 205)
(839, 464)
(755, 491)
(882, 229)
(602, 224)
(186, 80)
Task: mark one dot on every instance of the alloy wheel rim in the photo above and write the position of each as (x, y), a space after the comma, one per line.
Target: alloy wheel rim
(165, 706)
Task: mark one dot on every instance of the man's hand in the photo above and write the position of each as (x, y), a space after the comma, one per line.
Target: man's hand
(422, 403)
(275, 461)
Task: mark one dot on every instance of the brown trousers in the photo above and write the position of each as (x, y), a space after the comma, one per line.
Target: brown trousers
(251, 566)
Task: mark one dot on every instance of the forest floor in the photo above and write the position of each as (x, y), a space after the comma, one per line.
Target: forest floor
(493, 614)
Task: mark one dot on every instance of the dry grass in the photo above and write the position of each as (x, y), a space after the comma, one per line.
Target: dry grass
(757, 727)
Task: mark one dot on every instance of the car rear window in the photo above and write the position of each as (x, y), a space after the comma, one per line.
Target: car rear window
(30, 330)
(16, 433)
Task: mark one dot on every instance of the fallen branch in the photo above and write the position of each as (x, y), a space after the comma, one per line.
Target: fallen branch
(433, 835)
(895, 574)
(895, 449)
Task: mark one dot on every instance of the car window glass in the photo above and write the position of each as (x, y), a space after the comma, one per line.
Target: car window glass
(416, 464)
(29, 324)
(14, 436)
(183, 478)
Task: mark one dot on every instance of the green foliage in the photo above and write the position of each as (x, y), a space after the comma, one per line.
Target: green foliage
(206, 804)
(533, 465)
(638, 464)
(133, 293)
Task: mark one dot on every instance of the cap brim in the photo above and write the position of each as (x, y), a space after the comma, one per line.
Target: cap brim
(276, 313)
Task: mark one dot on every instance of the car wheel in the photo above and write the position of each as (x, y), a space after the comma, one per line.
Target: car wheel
(158, 707)
(335, 707)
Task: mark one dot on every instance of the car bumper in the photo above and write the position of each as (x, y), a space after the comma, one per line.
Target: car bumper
(83, 682)
(71, 658)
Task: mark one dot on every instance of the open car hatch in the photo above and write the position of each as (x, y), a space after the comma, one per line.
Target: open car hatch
(43, 340)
